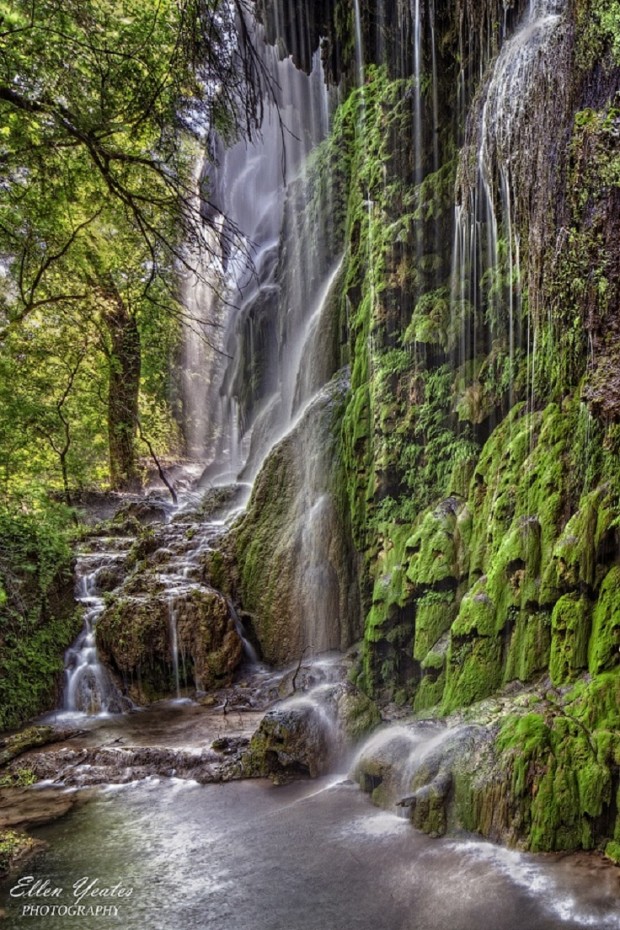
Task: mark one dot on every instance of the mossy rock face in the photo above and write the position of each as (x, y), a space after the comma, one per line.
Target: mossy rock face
(570, 623)
(559, 764)
(474, 669)
(135, 638)
(293, 562)
(604, 646)
(540, 772)
(433, 548)
(527, 655)
(434, 616)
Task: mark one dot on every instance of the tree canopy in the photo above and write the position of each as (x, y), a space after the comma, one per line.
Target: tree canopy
(106, 107)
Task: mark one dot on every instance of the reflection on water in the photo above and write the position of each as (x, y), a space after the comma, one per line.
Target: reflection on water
(248, 856)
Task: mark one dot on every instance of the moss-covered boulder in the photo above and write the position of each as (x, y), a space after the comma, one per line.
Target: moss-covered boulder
(155, 643)
(538, 772)
(555, 768)
(294, 565)
(292, 741)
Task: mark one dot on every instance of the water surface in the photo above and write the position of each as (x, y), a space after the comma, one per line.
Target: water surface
(249, 856)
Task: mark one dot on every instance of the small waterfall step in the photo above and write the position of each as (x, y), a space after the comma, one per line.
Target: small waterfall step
(88, 686)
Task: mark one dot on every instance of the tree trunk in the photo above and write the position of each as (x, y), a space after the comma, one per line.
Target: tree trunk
(123, 390)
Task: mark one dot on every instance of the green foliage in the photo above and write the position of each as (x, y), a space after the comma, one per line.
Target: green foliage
(104, 107)
(14, 846)
(37, 618)
(34, 545)
(20, 778)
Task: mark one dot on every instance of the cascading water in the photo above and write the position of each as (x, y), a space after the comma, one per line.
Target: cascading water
(88, 686)
(257, 355)
(247, 380)
(487, 273)
(276, 350)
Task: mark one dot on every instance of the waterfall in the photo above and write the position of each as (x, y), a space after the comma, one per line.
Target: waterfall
(263, 380)
(418, 142)
(255, 297)
(174, 645)
(359, 44)
(487, 277)
(88, 686)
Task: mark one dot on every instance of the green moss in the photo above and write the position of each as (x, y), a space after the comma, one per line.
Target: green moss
(604, 646)
(612, 851)
(433, 550)
(432, 321)
(14, 848)
(575, 557)
(19, 778)
(17, 743)
(560, 762)
(434, 613)
(570, 632)
(429, 811)
(598, 33)
(473, 670)
(529, 645)
(430, 690)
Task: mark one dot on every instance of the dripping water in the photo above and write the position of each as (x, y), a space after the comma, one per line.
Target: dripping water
(486, 265)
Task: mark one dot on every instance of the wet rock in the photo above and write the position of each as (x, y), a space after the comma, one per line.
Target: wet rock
(32, 807)
(137, 636)
(90, 766)
(291, 742)
(427, 808)
(414, 768)
(18, 743)
(292, 542)
(230, 745)
(146, 511)
(433, 781)
(212, 502)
